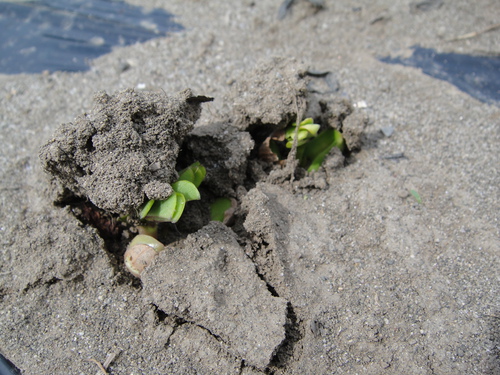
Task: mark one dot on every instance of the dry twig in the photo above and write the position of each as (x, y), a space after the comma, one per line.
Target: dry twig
(109, 358)
(475, 33)
(291, 161)
(101, 367)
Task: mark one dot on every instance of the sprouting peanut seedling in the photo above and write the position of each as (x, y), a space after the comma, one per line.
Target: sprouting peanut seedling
(312, 147)
(307, 130)
(144, 247)
(185, 190)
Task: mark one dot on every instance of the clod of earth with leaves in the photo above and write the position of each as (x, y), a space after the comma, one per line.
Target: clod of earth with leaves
(124, 153)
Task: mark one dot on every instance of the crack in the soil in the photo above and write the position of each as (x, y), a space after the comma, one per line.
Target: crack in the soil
(284, 353)
(40, 282)
(269, 287)
(176, 321)
(52, 281)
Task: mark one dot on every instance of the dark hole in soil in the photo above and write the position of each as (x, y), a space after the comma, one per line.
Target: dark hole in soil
(259, 133)
(161, 315)
(89, 145)
(53, 281)
(138, 119)
(79, 171)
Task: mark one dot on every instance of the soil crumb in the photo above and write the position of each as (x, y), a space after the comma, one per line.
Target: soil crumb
(267, 94)
(125, 150)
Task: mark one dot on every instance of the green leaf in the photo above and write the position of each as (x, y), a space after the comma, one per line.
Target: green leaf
(186, 175)
(187, 189)
(199, 175)
(307, 121)
(311, 128)
(168, 210)
(318, 160)
(163, 211)
(179, 207)
(290, 132)
(195, 173)
(416, 195)
(338, 140)
(302, 134)
(316, 150)
(145, 208)
(307, 130)
(219, 208)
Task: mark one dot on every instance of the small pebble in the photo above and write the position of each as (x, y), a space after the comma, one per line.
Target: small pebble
(387, 131)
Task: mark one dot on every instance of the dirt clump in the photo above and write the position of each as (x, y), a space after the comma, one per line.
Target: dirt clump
(224, 152)
(125, 150)
(271, 96)
(267, 94)
(209, 281)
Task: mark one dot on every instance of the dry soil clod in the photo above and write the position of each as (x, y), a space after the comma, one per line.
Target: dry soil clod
(125, 150)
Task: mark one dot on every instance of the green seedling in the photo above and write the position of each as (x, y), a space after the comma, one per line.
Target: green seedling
(145, 247)
(223, 209)
(312, 147)
(218, 208)
(146, 208)
(307, 130)
(312, 154)
(195, 173)
(416, 195)
(185, 190)
(168, 210)
(188, 189)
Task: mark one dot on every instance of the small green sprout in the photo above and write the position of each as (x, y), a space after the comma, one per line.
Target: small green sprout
(218, 208)
(312, 154)
(145, 247)
(223, 209)
(185, 190)
(195, 173)
(312, 147)
(416, 195)
(307, 130)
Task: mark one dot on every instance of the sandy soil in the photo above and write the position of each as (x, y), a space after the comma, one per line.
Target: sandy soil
(339, 271)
